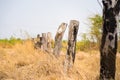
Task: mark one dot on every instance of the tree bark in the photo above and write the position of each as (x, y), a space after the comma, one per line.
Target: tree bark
(108, 47)
(58, 39)
(71, 50)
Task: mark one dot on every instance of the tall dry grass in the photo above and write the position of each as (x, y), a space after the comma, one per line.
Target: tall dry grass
(23, 62)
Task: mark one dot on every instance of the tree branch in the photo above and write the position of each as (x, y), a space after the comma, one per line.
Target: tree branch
(99, 3)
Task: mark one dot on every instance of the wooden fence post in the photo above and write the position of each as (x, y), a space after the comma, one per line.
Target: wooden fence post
(58, 39)
(40, 42)
(44, 42)
(37, 44)
(71, 50)
(49, 41)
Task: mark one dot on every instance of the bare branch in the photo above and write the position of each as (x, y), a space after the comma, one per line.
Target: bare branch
(99, 3)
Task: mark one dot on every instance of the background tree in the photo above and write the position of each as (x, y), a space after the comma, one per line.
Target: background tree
(92, 38)
(95, 28)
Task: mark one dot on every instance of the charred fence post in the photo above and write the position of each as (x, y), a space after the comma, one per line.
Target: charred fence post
(49, 41)
(58, 39)
(71, 50)
(108, 49)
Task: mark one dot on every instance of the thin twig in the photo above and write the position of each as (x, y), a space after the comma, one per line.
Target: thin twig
(99, 3)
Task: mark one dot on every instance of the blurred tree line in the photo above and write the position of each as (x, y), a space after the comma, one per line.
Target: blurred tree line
(8, 43)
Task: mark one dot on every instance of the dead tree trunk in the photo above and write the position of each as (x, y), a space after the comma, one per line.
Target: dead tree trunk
(44, 42)
(108, 48)
(58, 39)
(49, 41)
(71, 50)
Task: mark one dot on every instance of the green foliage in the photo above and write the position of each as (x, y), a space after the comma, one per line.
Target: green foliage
(13, 40)
(64, 45)
(83, 45)
(9, 42)
(119, 46)
(95, 28)
(91, 40)
(53, 42)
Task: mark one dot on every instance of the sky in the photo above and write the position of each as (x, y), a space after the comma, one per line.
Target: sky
(23, 18)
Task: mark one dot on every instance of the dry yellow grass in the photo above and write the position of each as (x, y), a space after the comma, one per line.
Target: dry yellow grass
(23, 62)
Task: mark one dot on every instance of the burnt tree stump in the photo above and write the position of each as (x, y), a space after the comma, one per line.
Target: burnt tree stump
(108, 47)
(58, 39)
(71, 50)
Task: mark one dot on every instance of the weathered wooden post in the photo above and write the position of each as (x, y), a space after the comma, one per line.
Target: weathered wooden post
(108, 48)
(71, 50)
(58, 39)
(40, 42)
(44, 42)
(37, 42)
(49, 41)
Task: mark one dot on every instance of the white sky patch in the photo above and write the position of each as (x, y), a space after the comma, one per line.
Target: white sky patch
(37, 16)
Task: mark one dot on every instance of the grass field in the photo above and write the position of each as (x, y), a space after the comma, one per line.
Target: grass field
(23, 62)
